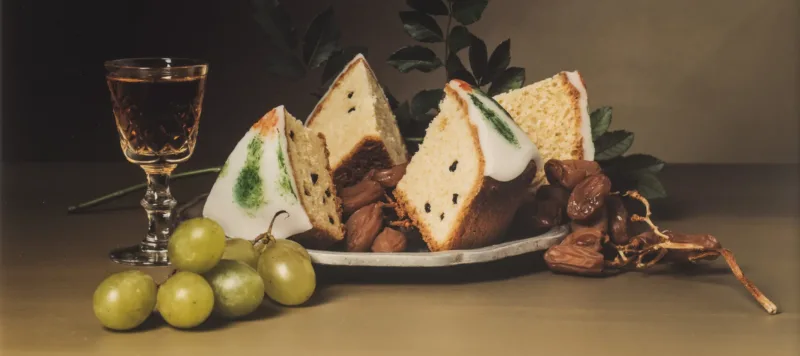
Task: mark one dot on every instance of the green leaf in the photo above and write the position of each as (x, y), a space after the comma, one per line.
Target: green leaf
(430, 7)
(403, 113)
(458, 39)
(469, 11)
(639, 162)
(601, 120)
(393, 103)
(464, 75)
(425, 101)
(321, 39)
(498, 62)
(612, 144)
(453, 64)
(421, 27)
(648, 184)
(477, 58)
(275, 21)
(409, 58)
(338, 60)
(281, 62)
(512, 78)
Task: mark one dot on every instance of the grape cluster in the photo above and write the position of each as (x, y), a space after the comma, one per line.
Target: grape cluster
(214, 275)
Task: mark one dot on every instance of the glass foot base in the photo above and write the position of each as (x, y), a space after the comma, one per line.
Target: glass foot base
(138, 256)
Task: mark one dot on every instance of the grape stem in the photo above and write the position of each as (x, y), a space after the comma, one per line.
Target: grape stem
(133, 188)
(268, 235)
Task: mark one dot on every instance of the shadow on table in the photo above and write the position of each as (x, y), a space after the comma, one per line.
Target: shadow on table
(267, 310)
(496, 270)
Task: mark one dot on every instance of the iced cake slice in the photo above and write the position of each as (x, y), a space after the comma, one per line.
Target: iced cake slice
(278, 165)
(359, 126)
(464, 185)
(554, 114)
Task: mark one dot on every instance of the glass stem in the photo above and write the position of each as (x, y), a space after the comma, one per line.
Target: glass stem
(159, 204)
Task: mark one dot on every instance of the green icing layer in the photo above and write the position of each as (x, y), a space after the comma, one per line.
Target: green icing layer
(284, 182)
(497, 123)
(248, 192)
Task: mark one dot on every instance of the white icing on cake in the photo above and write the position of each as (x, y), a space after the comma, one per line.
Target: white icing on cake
(252, 218)
(504, 159)
(583, 101)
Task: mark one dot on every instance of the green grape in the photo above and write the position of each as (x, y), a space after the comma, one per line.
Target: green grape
(124, 300)
(290, 244)
(241, 250)
(293, 245)
(289, 277)
(196, 245)
(238, 289)
(185, 300)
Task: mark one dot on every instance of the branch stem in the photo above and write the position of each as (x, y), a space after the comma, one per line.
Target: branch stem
(767, 304)
(447, 33)
(133, 188)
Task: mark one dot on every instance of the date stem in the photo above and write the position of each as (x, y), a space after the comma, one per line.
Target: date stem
(767, 304)
(646, 218)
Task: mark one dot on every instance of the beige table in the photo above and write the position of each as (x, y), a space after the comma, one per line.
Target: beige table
(51, 263)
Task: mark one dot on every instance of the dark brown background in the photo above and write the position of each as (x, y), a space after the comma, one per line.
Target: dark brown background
(697, 81)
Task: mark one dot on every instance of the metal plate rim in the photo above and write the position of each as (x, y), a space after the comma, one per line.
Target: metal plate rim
(441, 258)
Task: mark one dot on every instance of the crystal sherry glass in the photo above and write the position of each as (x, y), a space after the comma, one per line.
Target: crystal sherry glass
(157, 104)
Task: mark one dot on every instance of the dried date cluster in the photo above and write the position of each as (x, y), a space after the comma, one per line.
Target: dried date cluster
(367, 228)
(600, 241)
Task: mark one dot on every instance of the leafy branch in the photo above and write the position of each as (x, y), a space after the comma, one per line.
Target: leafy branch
(320, 47)
(491, 73)
(631, 172)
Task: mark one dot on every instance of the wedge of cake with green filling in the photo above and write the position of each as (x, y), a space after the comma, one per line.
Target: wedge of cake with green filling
(279, 165)
(554, 114)
(359, 126)
(464, 185)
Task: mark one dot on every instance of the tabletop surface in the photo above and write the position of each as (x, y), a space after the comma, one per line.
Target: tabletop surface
(52, 261)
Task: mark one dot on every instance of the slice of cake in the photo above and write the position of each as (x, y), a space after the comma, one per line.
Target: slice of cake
(463, 186)
(358, 124)
(554, 113)
(278, 165)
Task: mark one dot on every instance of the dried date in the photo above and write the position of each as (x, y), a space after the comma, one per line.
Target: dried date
(588, 197)
(362, 228)
(555, 193)
(599, 222)
(388, 178)
(617, 220)
(574, 259)
(365, 192)
(568, 173)
(550, 206)
(646, 238)
(705, 241)
(590, 238)
(390, 240)
(548, 214)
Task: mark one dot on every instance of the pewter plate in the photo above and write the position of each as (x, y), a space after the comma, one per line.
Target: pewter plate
(441, 258)
(423, 258)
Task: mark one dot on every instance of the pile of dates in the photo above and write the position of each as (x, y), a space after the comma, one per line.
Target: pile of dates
(601, 240)
(367, 226)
